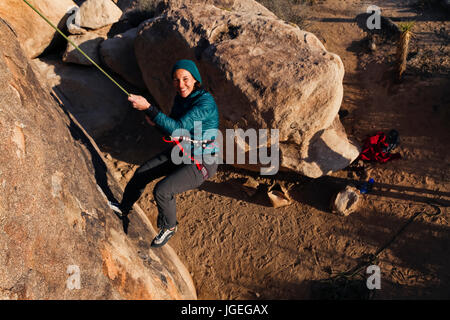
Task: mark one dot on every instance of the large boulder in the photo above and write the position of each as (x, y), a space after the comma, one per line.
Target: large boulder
(96, 14)
(96, 102)
(58, 238)
(89, 42)
(263, 73)
(33, 32)
(118, 54)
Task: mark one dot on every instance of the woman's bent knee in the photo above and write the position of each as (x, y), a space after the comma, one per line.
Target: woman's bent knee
(161, 190)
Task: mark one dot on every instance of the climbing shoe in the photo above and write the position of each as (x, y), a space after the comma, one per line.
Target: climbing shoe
(392, 141)
(163, 236)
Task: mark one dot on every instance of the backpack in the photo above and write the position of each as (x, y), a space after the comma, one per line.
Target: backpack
(378, 147)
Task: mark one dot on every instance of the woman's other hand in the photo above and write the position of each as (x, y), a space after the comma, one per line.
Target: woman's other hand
(139, 102)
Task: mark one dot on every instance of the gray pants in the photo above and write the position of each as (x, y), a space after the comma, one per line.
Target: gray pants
(178, 178)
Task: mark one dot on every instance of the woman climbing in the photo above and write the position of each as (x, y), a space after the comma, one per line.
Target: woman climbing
(192, 105)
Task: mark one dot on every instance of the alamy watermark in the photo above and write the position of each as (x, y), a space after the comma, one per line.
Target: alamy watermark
(74, 19)
(74, 279)
(257, 148)
(374, 20)
(374, 280)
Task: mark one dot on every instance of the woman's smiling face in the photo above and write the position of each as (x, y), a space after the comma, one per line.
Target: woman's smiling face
(183, 82)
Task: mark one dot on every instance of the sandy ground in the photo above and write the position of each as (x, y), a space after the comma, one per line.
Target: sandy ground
(240, 247)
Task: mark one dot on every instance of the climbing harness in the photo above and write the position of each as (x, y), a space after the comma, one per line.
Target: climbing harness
(203, 143)
(76, 47)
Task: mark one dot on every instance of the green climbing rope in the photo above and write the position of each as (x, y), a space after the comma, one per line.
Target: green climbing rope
(75, 46)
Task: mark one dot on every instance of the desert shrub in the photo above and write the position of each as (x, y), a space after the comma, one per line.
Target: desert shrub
(288, 10)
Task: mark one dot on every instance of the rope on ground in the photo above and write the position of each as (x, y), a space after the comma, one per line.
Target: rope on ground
(352, 284)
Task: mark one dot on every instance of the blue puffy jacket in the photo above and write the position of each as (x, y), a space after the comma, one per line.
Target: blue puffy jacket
(199, 108)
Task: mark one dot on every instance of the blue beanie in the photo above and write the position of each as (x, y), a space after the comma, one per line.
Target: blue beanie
(189, 66)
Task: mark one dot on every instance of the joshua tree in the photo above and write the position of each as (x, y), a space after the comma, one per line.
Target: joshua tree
(402, 47)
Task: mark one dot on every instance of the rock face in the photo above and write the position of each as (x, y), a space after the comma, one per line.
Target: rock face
(96, 14)
(263, 73)
(118, 54)
(33, 32)
(328, 150)
(95, 101)
(58, 238)
(89, 43)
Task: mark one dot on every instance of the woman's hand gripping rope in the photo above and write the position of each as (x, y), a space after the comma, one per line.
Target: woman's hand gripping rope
(141, 104)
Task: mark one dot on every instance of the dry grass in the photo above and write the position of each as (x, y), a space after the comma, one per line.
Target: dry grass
(289, 10)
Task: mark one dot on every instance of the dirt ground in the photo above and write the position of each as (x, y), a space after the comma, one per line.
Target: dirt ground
(239, 247)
